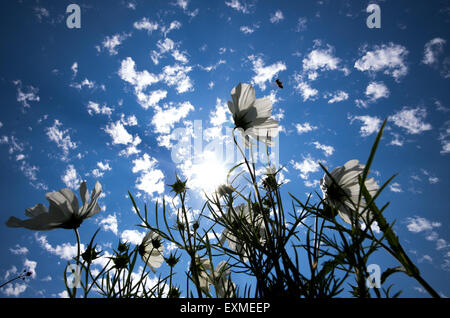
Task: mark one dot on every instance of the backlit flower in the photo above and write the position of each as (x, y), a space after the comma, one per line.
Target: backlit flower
(151, 250)
(63, 212)
(342, 191)
(252, 115)
(238, 217)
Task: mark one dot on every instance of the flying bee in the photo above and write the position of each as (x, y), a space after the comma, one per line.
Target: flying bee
(279, 83)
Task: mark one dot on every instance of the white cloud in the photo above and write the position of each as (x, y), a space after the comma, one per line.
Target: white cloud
(151, 179)
(145, 24)
(176, 75)
(19, 250)
(304, 128)
(370, 124)
(395, 187)
(65, 251)
(132, 236)
(265, 73)
(109, 223)
(377, 90)
(444, 137)
(140, 80)
(321, 59)
(30, 266)
(118, 133)
(220, 114)
(418, 224)
(85, 83)
(111, 43)
(95, 108)
(238, 5)
(433, 49)
(10, 272)
(388, 58)
(61, 137)
(166, 117)
(276, 17)
(304, 88)
(301, 24)
(152, 99)
(74, 68)
(307, 166)
(14, 289)
(328, 150)
(248, 30)
(411, 119)
(339, 96)
(30, 95)
(71, 178)
(182, 4)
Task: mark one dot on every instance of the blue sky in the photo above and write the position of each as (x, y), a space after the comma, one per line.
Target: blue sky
(105, 102)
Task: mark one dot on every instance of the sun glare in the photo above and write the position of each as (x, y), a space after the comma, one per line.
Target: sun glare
(209, 173)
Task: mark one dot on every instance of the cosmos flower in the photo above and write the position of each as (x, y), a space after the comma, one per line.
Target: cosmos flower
(221, 280)
(218, 277)
(203, 265)
(342, 191)
(240, 216)
(151, 250)
(225, 190)
(252, 115)
(64, 211)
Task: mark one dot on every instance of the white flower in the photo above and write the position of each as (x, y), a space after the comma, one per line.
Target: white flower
(220, 278)
(203, 265)
(252, 115)
(343, 193)
(64, 211)
(151, 250)
(225, 190)
(238, 217)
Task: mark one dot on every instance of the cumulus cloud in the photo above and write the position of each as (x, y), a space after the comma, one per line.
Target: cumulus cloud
(30, 94)
(118, 133)
(433, 49)
(411, 119)
(303, 87)
(264, 73)
(327, 150)
(167, 116)
(109, 223)
(337, 97)
(304, 128)
(95, 108)
(307, 166)
(71, 178)
(276, 17)
(395, 187)
(111, 43)
(65, 251)
(61, 137)
(132, 236)
(238, 6)
(145, 24)
(321, 59)
(19, 250)
(370, 124)
(151, 179)
(388, 58)
(419, 224)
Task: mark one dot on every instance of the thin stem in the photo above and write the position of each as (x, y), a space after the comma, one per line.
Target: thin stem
(78, 263)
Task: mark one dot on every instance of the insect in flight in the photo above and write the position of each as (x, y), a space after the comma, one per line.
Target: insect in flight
(279, 83)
